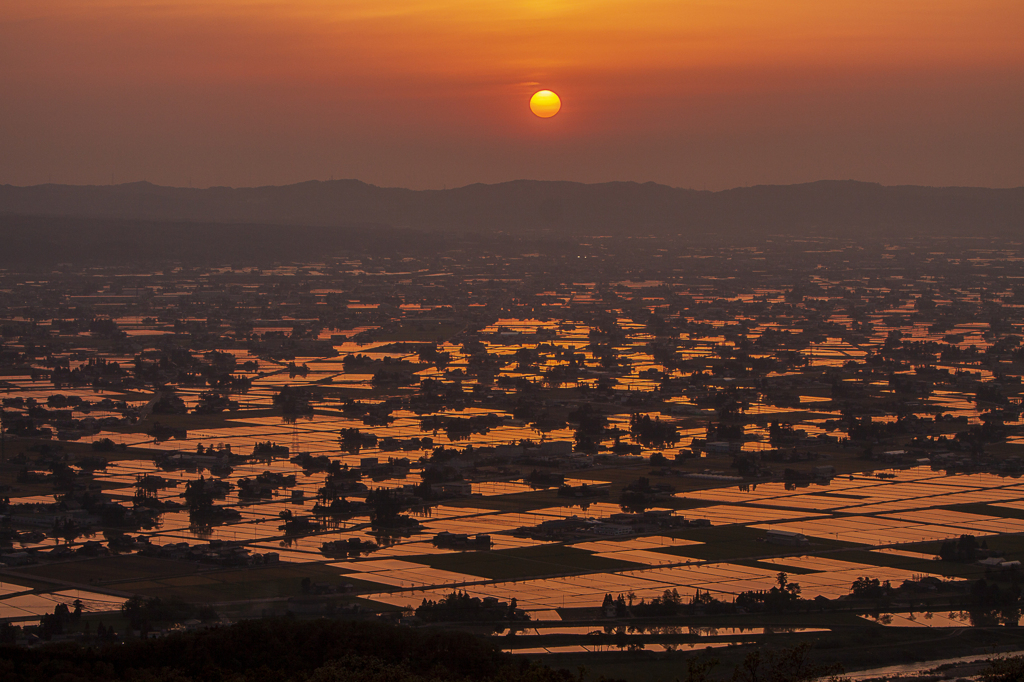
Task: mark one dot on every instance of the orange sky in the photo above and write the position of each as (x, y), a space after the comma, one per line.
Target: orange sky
(426, 94)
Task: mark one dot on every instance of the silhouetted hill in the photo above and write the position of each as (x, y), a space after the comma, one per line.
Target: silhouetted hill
(825, 208)
(48, 240)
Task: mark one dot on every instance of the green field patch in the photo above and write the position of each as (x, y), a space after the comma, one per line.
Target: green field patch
(914, 565)
(986, 510)
(122, 568)
(947, 569)
(777, 568)
(25, 582)
(1010, 544)
(728, 543)
(216, 591)
(720, 534)
(719, 543)
(524, 562)
(293, 574)
(317, 572)
(138, 586)
(246, 584)
(189, 581)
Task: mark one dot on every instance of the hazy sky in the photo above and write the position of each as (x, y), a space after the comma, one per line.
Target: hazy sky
(418, 93)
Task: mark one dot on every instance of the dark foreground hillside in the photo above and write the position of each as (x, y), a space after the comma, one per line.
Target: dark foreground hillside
(48, 241)
(278, 650)
(284, 650)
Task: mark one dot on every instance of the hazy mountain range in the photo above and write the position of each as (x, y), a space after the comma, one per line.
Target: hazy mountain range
(825, 208)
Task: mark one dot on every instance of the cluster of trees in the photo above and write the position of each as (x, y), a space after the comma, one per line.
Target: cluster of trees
(339, 549)
(965, 549)
(668, 604)
(988, 602)
(870, 588)
(371, 414)
(992, 605)
(106, 445)
(459, 606)
(652, 432)
(55, 623)
(435, 356)
(199, 496)
(214, 402)
(784, 596)
(170, 403)
(1005, 670)
(353, 440)
(783, 665)
(461, 428)
(386, 507)
(267, 450)
(294, 401)
(143, 614)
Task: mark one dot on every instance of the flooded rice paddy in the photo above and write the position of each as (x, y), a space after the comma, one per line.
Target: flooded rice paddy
(870, 408)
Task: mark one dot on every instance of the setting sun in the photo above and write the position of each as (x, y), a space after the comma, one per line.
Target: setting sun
(424, 94)
(545, 103)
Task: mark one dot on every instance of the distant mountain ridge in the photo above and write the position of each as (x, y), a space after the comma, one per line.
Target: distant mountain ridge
(823, 208)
